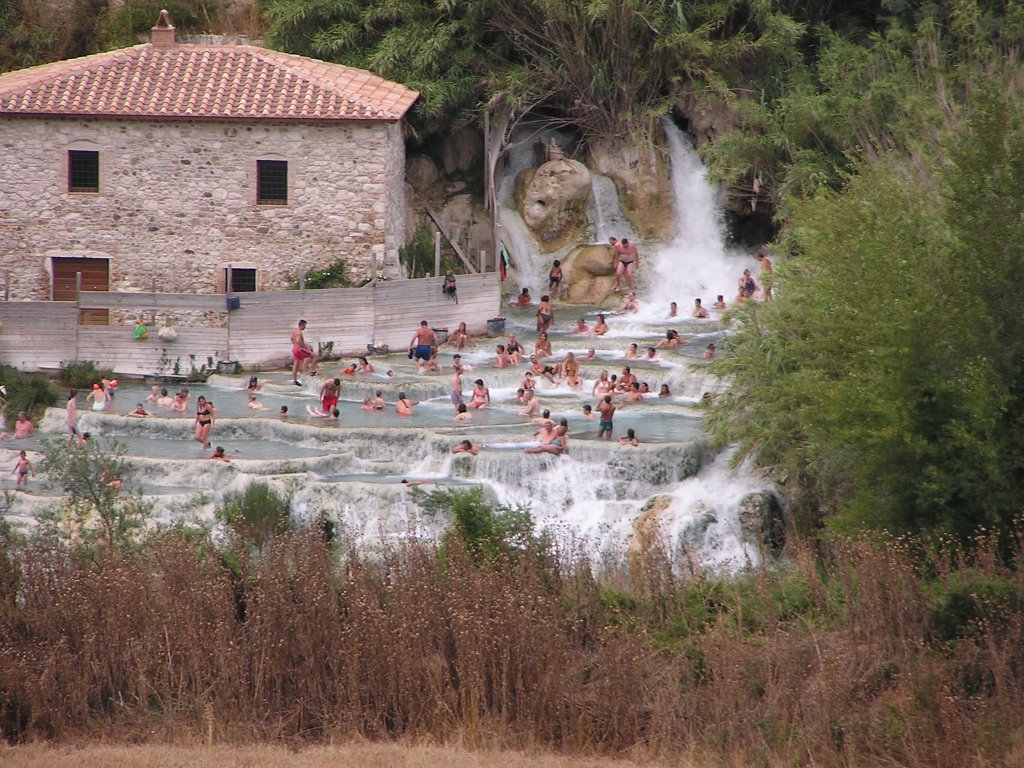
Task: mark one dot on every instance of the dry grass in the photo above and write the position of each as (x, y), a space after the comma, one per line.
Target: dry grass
(863, 657)
(349, 756)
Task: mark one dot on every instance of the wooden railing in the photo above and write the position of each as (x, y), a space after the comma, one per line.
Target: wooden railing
(42, 335)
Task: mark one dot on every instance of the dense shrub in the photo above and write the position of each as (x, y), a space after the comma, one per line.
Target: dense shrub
(255, 514)
(32, 393)
(82, 374)
(334, 275)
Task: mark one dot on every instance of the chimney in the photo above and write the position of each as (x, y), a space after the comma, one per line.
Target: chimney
(163, 32)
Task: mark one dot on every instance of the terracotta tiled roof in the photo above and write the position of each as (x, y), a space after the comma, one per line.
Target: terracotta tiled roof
(224, 82)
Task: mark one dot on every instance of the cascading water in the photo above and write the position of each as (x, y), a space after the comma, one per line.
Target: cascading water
(600, 495)
(697, 263)
(605, 214)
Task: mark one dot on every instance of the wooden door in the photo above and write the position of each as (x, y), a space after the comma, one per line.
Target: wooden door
(95, 277)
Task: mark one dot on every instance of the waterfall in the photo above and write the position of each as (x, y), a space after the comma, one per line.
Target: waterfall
(605, 213)
(697, 263)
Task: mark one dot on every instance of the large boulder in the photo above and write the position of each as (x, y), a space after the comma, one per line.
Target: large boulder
(553, 202)
(462, 151)
(646, 535)
(588, 275)
(761, 521)
(641, 174)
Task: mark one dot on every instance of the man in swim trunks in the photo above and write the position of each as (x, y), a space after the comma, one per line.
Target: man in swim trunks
(628, 259)
(302, 354)
(423, 342)
(457, 385)
(21, 468)
(532, 405)
(329, 394)
(555, 278)
(22, 428)
(607, 411)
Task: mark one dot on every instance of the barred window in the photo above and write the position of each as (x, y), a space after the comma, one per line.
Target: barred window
(272, 182)
(243, 279)
(83, 171)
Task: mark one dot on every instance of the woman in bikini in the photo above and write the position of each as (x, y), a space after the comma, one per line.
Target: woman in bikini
(633, 353)
(600, 327)
(545, 314)
(602, 386)
(481, 395)
(205, 414)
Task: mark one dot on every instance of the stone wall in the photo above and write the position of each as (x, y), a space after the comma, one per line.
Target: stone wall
(177, 201)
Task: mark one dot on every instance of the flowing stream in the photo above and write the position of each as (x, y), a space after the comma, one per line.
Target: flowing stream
(352, 469)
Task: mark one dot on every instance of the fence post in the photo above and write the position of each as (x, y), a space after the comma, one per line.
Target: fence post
(302, 280)
(7, 285)
(152, 316)
(437, 253)
(373, 267)
(483, 260)
(78, 306)
(229, 284)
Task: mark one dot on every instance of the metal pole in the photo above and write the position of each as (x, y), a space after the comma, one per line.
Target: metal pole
(78, 304)
(437, 253)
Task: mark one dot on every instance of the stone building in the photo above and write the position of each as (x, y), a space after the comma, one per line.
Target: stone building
(161, 165)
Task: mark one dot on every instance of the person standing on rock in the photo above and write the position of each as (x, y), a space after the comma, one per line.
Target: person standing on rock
(617, 262)
(766, 276)
(545, 314)
(627, 260)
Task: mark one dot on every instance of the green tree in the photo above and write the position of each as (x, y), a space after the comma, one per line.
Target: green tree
(93, 475)
(32, 393)
(488, 532)
(445, 50)
(256, 514)
(884, 382)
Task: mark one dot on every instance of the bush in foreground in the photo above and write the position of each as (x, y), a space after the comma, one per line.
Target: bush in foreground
(857, 660)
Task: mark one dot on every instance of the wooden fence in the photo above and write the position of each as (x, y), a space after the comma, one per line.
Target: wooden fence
(39, 335)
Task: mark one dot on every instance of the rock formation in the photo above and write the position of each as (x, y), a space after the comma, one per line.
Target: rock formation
(588, 275)
(553, 202)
